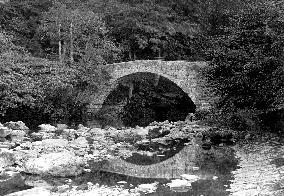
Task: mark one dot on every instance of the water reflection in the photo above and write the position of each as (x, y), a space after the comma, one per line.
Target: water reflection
(153, 153)
(215, 170)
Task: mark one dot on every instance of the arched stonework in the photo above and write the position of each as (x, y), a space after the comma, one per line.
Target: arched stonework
(184, 74)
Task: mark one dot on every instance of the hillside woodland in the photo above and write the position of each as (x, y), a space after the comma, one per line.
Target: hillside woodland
(53, 53)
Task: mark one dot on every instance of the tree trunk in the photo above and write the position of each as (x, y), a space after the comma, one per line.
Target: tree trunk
(129, 52)
(59, 43)
(86, 53)
(130, 91)
(157, 78)
(64, 51)
(71, 43)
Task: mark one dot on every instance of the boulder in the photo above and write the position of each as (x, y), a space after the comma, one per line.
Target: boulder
(19, 133)
(50, 145)
(98, 133)
(37, 181)
(47, 128)
(26, 145)
(9, 181)
(54, 143)
(19, 125)
(148, 188)
(63, 188)
(6, 158)
(6, 145)
(126, 135)
(4, 131)
(56, 164)
(143, 132)
(80, 142)
(82, 130)
(69, 134)
(162, 141)
(156, 131)
(32, 192)
(80, 146)
(21, 156)
(179, 185)
(61, 127)
(42, 135)
(189, 177)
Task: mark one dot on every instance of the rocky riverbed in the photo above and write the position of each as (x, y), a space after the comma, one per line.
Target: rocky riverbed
(163, 158)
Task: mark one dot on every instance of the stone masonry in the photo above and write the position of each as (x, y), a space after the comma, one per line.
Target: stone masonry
(185, 74)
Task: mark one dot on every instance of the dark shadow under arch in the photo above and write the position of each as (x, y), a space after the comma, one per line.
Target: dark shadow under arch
(143, 97)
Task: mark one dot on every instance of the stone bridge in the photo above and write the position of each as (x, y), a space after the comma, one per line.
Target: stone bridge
(184, 74)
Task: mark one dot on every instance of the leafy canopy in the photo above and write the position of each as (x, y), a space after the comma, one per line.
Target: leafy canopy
(247, 60)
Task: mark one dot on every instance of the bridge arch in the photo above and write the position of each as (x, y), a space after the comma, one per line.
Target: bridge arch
(184, 74)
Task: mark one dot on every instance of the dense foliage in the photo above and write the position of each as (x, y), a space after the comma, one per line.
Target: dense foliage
(247, 67)
(52, 52)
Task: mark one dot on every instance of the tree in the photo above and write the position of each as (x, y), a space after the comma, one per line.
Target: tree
(145, 29)
(78, 33)
(25, 82)
(21, 19)
(79, 37)
(247, 62)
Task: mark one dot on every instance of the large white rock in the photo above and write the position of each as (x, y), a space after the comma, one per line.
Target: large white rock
(142, 131)
(47, 128)
(148, 188)
(32, 192)
(19, 125)
(56, 164)
(80, 142)
(179, 183)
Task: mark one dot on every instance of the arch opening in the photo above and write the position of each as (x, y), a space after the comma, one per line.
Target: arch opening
(143, 97)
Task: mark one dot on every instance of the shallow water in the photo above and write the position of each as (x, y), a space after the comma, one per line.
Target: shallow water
(242, 170)
(214, 168)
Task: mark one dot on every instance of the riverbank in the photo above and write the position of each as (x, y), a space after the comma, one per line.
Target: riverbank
(178, 157)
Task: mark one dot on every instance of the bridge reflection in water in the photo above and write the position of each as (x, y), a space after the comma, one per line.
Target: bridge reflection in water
(218, 161)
